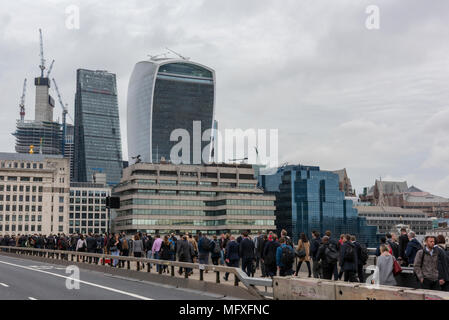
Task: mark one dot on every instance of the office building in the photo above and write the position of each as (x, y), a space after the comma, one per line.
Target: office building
(309, 199)
(213, 199)
(387, 218)
(165, 95)
(97, 129)
(34, 193)
(69, 147)
(87, 210)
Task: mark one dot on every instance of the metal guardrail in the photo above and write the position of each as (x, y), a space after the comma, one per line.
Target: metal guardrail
(141, 263)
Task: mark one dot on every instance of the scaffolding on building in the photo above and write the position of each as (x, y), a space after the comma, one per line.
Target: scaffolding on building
(44, 136)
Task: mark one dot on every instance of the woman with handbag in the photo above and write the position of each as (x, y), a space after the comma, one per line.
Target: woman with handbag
(387, 266)
(303, 253)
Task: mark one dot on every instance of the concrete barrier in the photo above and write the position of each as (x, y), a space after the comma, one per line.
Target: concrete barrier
(291, 288)
(356, 291)
(303, 289)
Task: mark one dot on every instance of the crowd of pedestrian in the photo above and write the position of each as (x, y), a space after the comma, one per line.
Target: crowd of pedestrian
(325, 257)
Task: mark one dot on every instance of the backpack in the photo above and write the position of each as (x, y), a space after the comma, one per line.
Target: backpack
(288, 257)
(172, 245)
(363, 254)
(125, 244)
(349, 253)
(331, 253)
(205, 244)
(63, 244)
(217, 248)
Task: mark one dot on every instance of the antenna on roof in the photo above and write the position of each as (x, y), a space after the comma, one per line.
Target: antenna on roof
(174, 52)
(158, 55)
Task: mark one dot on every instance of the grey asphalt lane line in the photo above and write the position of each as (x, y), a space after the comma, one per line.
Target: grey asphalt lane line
(80, 281)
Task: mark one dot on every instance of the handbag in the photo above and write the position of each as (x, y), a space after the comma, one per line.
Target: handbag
(396, 267)
(300, 253)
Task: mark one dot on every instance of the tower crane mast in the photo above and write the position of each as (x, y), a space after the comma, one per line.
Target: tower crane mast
(22, 101)
(42, 66)
(64, 117)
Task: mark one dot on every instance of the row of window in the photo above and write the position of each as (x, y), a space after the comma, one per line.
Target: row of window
(20, 208)
(14, 178)
(21, 188)
(25, 228)
(87, 216)
(90, 223)
(85, 193)
(21, 218)
(195, 183)
(88, 208)
(196, 203)
(386, 215)
(22, 165)
(88, 201)
(167, 222)
(25, 208)
(181, 212)
(20, 198)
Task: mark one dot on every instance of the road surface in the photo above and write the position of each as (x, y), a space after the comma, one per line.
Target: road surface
(22, 279)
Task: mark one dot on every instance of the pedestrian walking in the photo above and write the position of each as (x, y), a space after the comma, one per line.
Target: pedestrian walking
(285, 258)
(384, 267)
(348, 260)
(426, 265)
(303, 253)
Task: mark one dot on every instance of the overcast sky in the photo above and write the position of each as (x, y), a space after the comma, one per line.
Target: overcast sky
(372, 101)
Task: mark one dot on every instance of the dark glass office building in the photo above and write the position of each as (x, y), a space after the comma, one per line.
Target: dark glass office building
(164, 95)
(97, 128)
(309, 199)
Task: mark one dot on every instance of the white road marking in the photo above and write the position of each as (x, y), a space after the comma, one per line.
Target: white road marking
(81, 281)
(4, 285)
(31, 298)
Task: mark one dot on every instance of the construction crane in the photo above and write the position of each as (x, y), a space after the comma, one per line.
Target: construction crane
(64, 117)
(42, 66)
(22, 101)
(51, 68)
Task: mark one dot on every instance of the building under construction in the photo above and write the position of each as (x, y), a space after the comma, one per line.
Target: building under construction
(41, 135)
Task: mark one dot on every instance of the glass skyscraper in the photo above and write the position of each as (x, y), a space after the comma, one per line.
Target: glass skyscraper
(164, 95)
(309, 199)
(97, 128)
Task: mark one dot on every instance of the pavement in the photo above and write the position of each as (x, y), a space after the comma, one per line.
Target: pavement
(24, 279)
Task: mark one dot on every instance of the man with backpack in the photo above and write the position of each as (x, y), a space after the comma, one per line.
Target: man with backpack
(327, 256)
(426, 265)
(269, 255)
(362, 255)
(285, 257)
(348, 260)
(215, 250)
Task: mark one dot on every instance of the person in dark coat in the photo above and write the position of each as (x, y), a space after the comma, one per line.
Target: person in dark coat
(261, 246)
(185, 253)
(215, 250)
(246, 253)
(403, 241)
(326, 265)
(91, 245)
(269, 255)
(413, 247)
(358, 249)
(393, 245)
(314, 246)
(443, 263)
(348, 260)
(231, 255)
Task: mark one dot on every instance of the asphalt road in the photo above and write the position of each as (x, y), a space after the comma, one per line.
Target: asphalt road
(22, 279)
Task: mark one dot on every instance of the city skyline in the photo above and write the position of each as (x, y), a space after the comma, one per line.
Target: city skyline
(373, 101)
